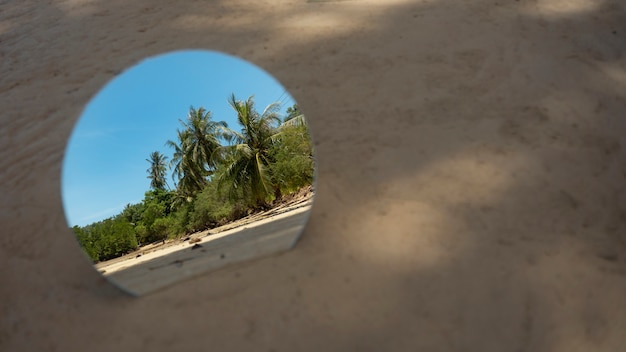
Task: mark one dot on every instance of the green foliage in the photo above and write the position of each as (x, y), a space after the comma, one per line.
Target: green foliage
(157, 205)
(141, 233)
(107, 239)
(161, 197)
(292, 111)
(292, 168)
(163, 228)
(89, 241)
(156, 171)
(118, 238)
(247, 165)
(186, 171)
(210, 209)
(132, 212)
(182, 220)
(197, 151)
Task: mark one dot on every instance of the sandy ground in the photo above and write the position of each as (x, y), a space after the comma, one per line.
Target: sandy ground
(258, 235)
(470, 185)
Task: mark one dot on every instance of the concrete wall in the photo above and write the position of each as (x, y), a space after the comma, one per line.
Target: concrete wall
(471, 177)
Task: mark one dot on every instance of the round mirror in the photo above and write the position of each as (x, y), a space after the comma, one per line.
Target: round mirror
(186, 163)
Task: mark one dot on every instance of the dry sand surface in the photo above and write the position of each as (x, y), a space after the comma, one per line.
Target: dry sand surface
(158, 265)
(471, 183)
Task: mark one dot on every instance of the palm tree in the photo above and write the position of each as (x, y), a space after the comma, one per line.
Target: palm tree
(247, 159)
(186, 172)
(197, 151)
(156, 171)
(203, 138)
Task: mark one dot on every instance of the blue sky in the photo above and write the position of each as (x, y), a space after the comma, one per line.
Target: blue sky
(137, 112)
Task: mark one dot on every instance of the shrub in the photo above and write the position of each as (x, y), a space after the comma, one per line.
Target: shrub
(292, 168)
(107, 239)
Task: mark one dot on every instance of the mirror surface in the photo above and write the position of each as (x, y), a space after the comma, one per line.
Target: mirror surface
(186, 163)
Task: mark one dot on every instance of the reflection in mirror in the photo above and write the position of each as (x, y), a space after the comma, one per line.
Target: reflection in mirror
(186, 163)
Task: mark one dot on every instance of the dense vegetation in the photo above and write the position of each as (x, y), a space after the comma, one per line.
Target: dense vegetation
(220, 174)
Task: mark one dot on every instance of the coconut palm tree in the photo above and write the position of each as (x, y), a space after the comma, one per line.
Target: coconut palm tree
(157, 169)
(203, 138)
(197, 151)
(247, 158)
(187, 173)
